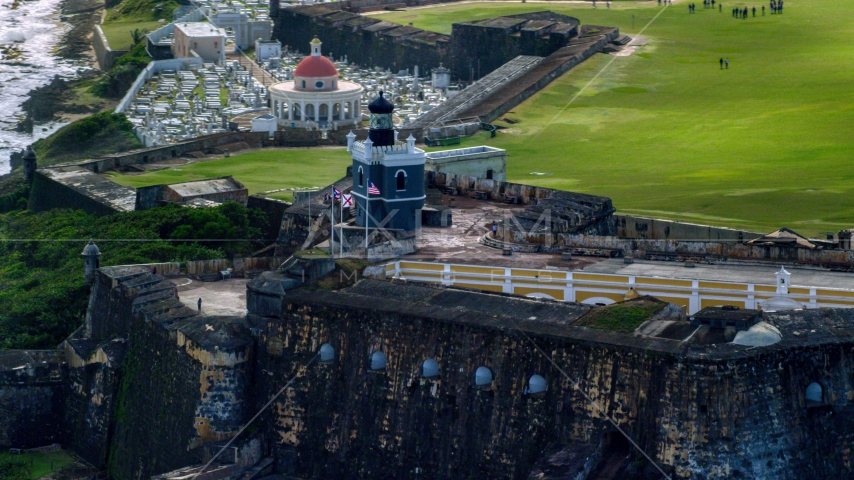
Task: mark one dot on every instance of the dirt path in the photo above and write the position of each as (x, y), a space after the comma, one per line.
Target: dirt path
(259, 74)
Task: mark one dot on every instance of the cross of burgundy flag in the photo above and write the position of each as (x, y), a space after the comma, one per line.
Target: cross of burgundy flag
(347, 200)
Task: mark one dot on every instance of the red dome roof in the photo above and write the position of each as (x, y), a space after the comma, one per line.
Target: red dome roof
(315, 66)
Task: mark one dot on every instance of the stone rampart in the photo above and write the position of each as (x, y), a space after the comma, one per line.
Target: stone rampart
(93, 378)
(632, 226)
(32, 387)
(712, 250)
(48, 193)
(105, 56)
(364, 40)
(702, 412)
(183, 379)
(552, 67)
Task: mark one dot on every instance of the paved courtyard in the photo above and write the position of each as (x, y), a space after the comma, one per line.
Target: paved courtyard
(471, 220)
(225, 298)
(726, 273)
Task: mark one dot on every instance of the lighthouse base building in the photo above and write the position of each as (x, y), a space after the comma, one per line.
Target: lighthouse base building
(388, 175)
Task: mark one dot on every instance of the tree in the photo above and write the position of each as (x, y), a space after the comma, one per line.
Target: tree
(138, 35)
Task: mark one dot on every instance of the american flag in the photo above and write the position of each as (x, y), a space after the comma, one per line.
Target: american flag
(372, 189)
(336, 193)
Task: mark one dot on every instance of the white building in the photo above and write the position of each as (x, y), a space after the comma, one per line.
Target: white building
(248, 25)
(265, 123)
(316, 98)
(202, 38)
(265, 49)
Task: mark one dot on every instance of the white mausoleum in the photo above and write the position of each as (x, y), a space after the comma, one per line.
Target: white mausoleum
(316, 98)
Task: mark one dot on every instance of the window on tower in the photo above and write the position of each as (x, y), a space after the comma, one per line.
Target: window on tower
(401, 180)
(361, 177)
(381, 121)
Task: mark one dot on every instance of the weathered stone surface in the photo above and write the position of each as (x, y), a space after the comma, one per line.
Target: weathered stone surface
(89, 396)
(718, 411)
(31, 398)
(187, 381)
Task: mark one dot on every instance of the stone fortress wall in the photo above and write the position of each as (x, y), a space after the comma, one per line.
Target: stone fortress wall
(719, 411)
(705, 415)
(105, 55)
(363, 40)
(32, 390)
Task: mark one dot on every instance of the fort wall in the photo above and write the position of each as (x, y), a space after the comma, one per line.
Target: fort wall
(93, 378)
(728, 414)
(485, 45)
(632, 226)
(364, 40)
(105, 55)
(46, 194)
(184, 381)
(698, 250)
(32, 387)
(552, 67)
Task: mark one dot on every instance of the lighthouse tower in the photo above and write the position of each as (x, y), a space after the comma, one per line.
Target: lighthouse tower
(388, 175)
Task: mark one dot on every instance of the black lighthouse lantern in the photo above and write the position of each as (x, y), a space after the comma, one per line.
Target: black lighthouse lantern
(381, 132)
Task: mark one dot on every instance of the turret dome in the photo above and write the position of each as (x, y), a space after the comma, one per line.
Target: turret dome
(91, 250)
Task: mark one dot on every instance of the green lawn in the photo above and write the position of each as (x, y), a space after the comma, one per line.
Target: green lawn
(41, 463)
(259, 171)
(666, 133)
(118, 33)
(623, 318)
(129, 15)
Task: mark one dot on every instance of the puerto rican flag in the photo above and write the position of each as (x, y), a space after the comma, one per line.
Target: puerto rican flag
(372, 189)
(336, 193)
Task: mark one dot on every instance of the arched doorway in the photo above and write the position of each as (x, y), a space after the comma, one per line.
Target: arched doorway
(309, 112)
(814, 394)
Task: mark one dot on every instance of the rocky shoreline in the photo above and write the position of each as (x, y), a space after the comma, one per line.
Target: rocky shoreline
(47, 103)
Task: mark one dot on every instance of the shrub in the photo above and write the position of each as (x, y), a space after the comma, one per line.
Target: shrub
(43, 296)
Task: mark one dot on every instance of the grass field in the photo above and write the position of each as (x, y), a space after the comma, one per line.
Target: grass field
(259, 171)
(118, 33)
(664, 132)
(41, 463)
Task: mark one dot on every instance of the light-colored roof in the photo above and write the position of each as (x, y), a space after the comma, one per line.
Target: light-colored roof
(341, 87)
(206, 187)
(200, 29)
(783, 237)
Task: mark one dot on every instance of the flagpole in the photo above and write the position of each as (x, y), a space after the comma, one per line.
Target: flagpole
(332, 219)
(367, 206)
(341, 227)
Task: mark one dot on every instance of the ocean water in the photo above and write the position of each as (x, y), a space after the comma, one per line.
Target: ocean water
(33, 29)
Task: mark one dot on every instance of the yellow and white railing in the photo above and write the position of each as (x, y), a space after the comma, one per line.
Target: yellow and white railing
(601, 288)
